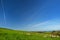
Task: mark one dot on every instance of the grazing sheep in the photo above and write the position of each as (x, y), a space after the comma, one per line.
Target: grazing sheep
(53, 36)
(57, 36)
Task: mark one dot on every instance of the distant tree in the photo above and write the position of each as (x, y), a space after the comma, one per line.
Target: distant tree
(56, 33)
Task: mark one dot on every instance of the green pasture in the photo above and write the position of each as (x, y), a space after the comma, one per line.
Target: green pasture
(7, 34)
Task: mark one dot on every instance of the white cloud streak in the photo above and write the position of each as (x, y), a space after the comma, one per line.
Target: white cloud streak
(47, 25)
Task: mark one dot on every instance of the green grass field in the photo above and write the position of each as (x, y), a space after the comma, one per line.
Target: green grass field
(7, 34)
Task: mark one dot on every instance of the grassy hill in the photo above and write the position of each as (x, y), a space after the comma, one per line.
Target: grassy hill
(8, 34)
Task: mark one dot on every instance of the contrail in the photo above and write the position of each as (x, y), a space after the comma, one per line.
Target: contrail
(3, 11)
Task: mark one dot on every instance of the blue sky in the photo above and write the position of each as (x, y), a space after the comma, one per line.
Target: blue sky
(30, 15)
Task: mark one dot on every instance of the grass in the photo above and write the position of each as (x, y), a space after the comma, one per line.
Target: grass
(7, 34)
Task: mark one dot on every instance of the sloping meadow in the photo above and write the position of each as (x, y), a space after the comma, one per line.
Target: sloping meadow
(8, 34)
